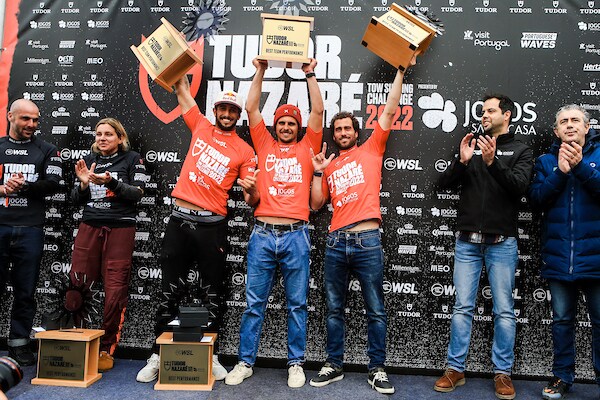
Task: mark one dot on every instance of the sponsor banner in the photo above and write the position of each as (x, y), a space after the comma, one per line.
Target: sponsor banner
(73, 59)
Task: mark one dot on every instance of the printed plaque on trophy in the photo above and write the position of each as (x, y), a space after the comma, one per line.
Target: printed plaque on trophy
(68, 357)
(165, 55)
(185, 365)
(398, 35)
(285, 40)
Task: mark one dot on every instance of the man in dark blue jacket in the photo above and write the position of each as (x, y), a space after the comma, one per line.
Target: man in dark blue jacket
(566, 188)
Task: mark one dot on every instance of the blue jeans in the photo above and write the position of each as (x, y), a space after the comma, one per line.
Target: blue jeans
(501, 260)
(23, 246)
(564, 308)
(268, 249)
(359, 254)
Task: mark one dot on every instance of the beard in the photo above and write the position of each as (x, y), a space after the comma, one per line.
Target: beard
(223, 127)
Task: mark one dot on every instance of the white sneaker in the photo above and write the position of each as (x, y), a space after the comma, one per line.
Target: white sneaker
(237, 375)
(150, 371)
(296, 377)
(219, 372)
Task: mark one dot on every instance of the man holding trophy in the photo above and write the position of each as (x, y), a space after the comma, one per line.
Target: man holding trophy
(354, 240)
(196, 235)
(280, 237)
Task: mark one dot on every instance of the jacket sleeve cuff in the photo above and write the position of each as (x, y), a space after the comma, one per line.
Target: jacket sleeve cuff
(112, 184)
(582, 171)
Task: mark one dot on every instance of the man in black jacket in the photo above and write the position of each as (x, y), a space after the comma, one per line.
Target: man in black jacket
(30, 170)
(492, 171)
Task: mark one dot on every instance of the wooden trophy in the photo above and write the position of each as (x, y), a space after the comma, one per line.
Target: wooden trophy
(285, 40)
(398, 35)
(185, 365)
(68, 357)
(165, 55)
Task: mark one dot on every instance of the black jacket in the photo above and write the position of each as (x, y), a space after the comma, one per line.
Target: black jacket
(113, 204)
(490, 196)
(40, 164)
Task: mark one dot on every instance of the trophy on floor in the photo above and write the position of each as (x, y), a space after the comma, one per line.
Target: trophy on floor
(399, 35)
(285, 40)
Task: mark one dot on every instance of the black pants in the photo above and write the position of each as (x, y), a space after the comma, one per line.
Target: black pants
(194, 251)
(22, 246)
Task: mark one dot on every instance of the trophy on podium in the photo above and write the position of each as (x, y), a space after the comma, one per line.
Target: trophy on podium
(399, 35)
(285, 40)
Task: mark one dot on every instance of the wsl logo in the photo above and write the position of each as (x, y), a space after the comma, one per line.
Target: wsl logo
(404, 164)
(68, 154)
(162, 156)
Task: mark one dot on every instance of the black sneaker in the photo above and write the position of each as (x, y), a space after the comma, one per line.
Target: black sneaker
(22, 354)
(378, 380)
(555, 389)
(328, 374)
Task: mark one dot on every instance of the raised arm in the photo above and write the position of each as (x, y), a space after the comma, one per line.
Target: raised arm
(387, 117)
(184, 97)
(253, 100)
(315, 120)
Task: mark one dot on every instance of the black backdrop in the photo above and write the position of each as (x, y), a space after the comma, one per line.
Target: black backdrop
(73, 59)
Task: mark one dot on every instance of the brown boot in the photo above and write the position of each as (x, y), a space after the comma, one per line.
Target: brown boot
(105, 361)
(504, 387)
(449, 381)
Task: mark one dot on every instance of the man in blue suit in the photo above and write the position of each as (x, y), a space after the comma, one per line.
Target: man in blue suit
(566, 188)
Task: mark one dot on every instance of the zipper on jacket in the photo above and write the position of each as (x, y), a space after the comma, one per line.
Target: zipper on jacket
(483, 192)
(571, 227)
